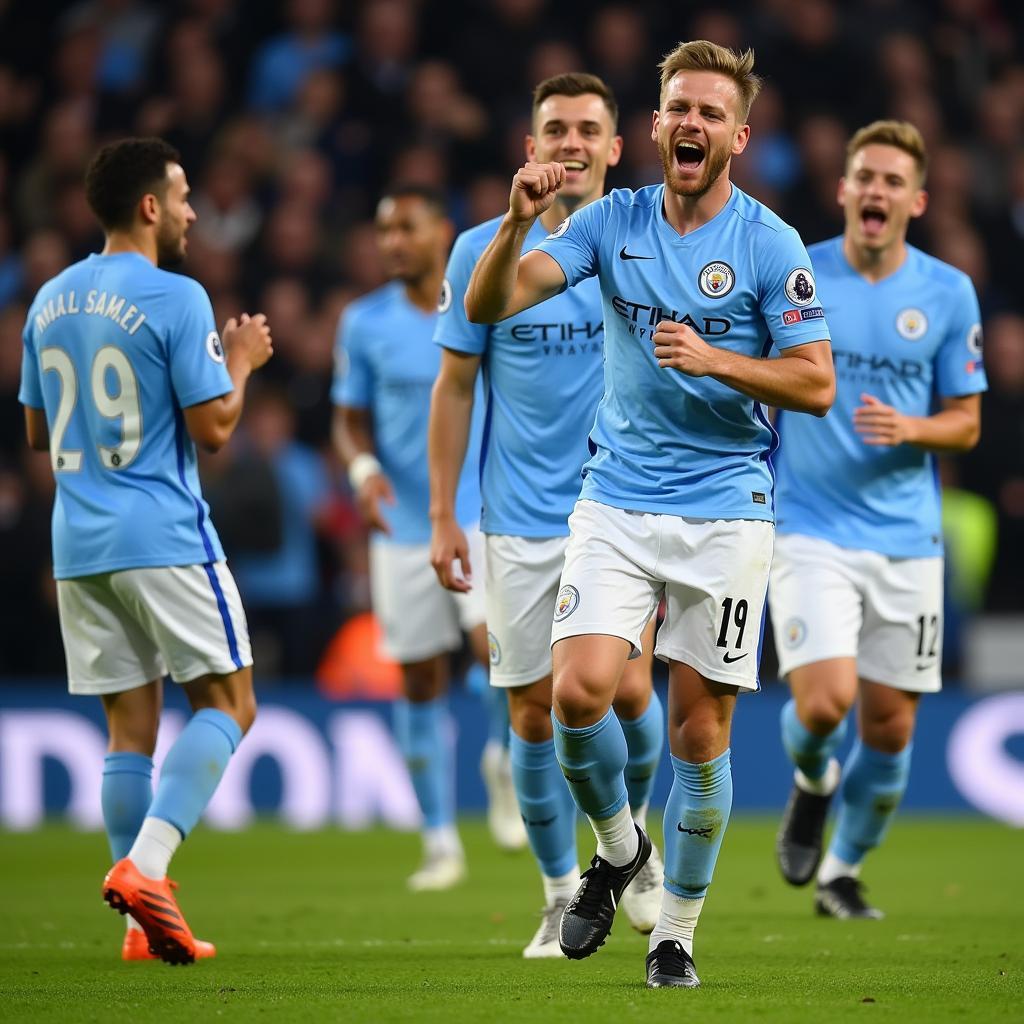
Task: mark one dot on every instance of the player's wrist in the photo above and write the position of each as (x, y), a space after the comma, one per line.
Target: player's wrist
(441, 515)
(361, 468)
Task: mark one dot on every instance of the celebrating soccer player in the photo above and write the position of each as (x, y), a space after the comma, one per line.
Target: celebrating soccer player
(697, 281)
(544, 376)
(856, 589)
(123, 371)
(386, 366)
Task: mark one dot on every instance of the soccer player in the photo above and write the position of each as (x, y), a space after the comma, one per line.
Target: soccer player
(386, 365)
(856, 588)
(677, 498)
(123, 373)
(544, 376)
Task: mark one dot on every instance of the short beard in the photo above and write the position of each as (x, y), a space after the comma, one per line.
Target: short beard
(715, 162)
(170, 250)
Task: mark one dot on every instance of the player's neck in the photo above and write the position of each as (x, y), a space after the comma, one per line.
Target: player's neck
(687, 213)
(565, 207)
(424, 292)
(875, 264)
(130, 241)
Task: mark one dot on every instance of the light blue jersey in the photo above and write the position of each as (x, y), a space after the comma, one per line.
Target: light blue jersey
(543, 377)
(114, 350)
(665, 442)
(909, 339)
(386, 362)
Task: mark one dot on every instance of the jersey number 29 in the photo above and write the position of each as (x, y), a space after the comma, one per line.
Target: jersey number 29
(124, 405)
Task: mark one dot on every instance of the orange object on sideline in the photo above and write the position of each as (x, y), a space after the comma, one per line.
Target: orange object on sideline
(354, 665)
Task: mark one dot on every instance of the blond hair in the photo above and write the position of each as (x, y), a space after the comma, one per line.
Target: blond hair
(900, 134)
(702, 55)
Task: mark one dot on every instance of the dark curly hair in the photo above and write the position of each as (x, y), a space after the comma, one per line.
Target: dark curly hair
(121, 173)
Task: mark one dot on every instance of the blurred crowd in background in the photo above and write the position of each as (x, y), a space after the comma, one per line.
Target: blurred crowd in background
(291, 119)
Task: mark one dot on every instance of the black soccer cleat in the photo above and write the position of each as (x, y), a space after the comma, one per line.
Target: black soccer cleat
(801, 835)
(587, 919)
(844, 898)
(670, 966)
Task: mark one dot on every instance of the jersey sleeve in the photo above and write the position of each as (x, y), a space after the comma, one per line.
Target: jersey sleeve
(353, 374)
(788, 294)
(194, 348)
(454, 330)
(30, 392)
(575, 244)
(958, 363)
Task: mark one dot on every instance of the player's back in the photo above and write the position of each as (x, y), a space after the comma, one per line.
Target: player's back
(114, 350)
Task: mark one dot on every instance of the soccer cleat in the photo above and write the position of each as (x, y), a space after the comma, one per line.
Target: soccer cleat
(439, 872)
(588, 916)
(670, 966)
(136, 947)
(844, 898)
(151, 902)
(545, 943)
(503, 817)
(800, 838)
(641, 902)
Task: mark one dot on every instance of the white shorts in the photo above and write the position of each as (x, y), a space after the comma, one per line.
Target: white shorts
(833, 602)
(418, 617)
(123, 629)
(522, 581)
(713, 574)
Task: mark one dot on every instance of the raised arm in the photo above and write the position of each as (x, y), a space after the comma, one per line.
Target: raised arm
(504, 284)
(451, 414)
(802, 380)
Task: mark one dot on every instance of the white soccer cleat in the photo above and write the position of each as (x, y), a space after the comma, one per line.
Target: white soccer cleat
(439, 872)
(544, 945)
(641, 902)
(503, 817)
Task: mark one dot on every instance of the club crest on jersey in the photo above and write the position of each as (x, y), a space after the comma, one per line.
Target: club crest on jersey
(794, 632)
(445, 300)
(566, 603)
(493, 649)
(974, 341)
(214, 348)
(716, 279)
(912, 324)
(800, 286)
(561, 229)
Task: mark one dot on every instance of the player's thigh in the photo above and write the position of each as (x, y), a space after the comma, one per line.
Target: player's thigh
(522, 580)
(700, 714)
(886, 716)
(193, 613)
(107, 649)
(471, 607)
(901, 640)
(815, 597)
(608, 584)
(716, 574)
(417, 615)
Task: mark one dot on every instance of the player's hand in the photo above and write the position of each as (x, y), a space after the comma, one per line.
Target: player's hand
(881, 425)
(249, 335)
(534, 189)
(683, 349)
(375, 490)
(449, 555)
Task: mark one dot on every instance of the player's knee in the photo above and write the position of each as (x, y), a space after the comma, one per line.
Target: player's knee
(134, 736)
(889, 734)
(702, 735)
(530, 721)
(630, 703)
(821, 712)
(244, 711)
(579, 701)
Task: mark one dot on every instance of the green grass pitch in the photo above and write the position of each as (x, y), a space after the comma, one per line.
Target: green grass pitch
(318, 927)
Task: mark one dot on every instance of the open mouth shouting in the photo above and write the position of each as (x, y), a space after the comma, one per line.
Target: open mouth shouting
(689, 155)
(873, 220)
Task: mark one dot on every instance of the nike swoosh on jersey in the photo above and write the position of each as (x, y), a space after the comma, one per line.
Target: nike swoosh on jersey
(729, 659)
(623, 255)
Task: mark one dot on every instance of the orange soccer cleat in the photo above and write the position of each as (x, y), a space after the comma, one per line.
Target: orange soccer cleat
(151, 902)
(136, 947)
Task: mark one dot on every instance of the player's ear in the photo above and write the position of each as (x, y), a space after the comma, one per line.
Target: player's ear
(655, 126)
(739, 143)
(531, 149)
(841, 191)
(149, 208)
(920, 203)
(615, 151)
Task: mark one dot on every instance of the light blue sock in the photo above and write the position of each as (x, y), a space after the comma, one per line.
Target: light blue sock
(496, 702)
(810, 753)
(645, 737)
(193, 768)
(872, 787)
(696, 815)
(546, 805)
(422, 734)
(592, 760)
(125, 796)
